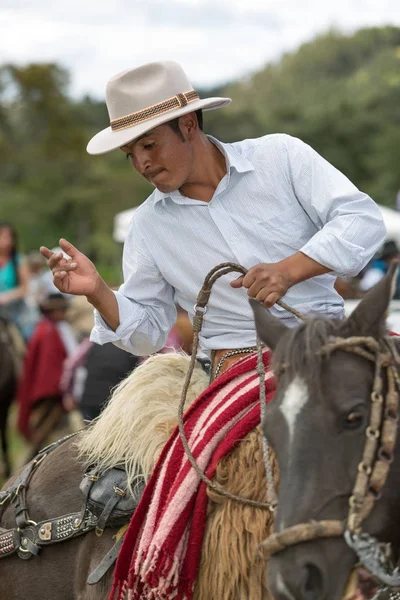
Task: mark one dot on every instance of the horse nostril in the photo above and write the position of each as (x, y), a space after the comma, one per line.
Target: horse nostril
(312, 583)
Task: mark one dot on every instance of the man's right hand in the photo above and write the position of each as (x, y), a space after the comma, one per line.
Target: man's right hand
(75, 275)
(78, 275)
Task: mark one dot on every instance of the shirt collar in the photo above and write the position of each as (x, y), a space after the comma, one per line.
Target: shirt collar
(234, 161)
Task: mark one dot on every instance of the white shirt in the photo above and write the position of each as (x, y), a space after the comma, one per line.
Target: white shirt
(278, 197)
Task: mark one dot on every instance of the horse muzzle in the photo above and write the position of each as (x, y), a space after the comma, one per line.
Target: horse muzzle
(312, 571)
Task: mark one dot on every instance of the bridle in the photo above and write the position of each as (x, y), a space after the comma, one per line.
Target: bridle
(372, 471)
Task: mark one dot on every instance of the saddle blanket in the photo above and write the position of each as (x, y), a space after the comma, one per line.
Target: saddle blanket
(160, 555)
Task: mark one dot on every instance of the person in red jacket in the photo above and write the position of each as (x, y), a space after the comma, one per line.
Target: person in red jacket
(39, 395)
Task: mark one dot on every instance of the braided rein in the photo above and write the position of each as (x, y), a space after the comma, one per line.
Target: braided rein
(200, 310)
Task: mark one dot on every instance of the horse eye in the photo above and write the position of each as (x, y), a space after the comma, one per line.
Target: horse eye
(354, 420)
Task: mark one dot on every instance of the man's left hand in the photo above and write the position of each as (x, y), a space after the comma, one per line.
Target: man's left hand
(265, 282)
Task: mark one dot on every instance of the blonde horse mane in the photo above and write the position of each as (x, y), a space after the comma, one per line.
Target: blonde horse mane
(140, 416)
(132, 431)
(234, 531)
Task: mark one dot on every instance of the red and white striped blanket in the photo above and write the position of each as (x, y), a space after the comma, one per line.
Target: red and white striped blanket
(161, 551)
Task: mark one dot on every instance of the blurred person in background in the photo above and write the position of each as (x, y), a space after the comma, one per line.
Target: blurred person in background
(108, 365)
(40, 410)
(14, 281)
(379, 266)
(92, 371)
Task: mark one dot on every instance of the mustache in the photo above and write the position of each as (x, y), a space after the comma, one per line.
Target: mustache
(151, 174)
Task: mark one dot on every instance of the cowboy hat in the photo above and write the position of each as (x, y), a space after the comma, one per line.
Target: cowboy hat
(141, 99)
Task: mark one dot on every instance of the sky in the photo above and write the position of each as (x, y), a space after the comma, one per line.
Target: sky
(215, 41)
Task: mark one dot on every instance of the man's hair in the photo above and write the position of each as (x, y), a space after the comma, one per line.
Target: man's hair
(174, 124)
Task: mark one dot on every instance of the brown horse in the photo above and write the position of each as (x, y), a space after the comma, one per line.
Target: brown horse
(320, 426)
(132, 430)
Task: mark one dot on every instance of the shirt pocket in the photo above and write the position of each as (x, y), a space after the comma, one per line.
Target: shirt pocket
(285, 233)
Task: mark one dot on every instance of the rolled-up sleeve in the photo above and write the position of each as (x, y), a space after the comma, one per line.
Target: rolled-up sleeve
(145, 301)
(350, 224)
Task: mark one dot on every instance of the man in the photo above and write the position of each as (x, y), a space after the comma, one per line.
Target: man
(41, 414)
(271, 204)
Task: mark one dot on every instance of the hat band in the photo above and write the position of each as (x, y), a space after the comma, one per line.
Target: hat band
(178, 101)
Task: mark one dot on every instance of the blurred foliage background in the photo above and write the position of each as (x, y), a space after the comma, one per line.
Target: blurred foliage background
(340, 93)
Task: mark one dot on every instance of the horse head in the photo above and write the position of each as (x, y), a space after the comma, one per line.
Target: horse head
(317, 426)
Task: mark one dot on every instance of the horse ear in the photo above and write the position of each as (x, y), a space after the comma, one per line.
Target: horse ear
(369, 317)
(269, 328)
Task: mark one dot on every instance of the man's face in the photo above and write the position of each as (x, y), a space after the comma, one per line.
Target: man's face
(162, 157)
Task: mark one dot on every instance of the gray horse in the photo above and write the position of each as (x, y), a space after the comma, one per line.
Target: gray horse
(318, 426)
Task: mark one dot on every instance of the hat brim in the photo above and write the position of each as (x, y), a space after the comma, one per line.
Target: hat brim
(107, 139)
